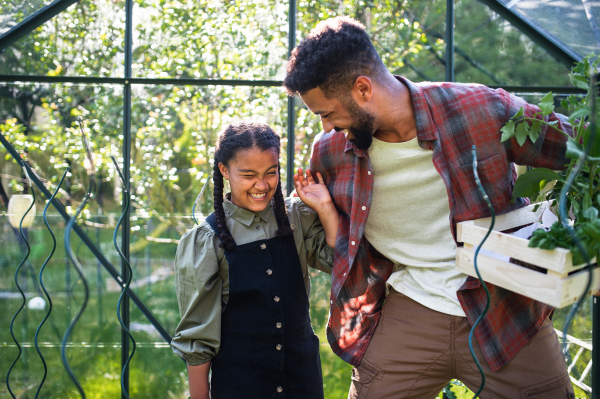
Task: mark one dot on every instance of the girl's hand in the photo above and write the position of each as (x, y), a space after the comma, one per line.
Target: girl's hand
(316, 195)
(313, 193)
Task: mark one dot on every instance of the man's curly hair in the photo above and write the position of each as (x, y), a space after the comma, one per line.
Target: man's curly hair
(334, 54)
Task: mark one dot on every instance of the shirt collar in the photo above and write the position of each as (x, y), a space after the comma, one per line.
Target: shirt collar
(245, 216)
(426, 129)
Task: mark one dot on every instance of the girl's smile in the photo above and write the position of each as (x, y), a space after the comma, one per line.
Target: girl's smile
(253, 177)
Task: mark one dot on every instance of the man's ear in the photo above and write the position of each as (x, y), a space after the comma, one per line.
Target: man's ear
(224, 171)
(362, 90)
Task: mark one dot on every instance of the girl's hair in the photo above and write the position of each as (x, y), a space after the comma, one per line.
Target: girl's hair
(237, 137)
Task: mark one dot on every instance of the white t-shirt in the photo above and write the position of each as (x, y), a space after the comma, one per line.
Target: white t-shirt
(409, 223)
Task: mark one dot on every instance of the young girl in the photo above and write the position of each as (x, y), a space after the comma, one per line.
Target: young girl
(242, 280)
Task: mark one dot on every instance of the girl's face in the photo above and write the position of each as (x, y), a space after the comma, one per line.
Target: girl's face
(253, 177)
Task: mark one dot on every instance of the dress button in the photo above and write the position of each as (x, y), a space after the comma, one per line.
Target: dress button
(276, 299)
(364, 208)
(279, 389)
(369, 172)
(278, 347)
(278, 325)
(269, 272)
(263, 246)
(353, 243)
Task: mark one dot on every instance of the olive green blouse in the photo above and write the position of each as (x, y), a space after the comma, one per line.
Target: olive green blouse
(202, 272)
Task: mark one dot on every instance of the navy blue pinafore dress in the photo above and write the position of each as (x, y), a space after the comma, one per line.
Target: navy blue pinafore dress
(268, 347)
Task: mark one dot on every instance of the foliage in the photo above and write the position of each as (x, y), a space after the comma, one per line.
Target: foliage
(583, 195)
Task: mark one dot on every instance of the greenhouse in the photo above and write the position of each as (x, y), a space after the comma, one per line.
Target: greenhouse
(110, 112)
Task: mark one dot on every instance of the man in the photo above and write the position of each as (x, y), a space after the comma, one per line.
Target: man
(401, 177)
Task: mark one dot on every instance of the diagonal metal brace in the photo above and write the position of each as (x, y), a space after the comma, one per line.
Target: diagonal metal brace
(34, 20)
(89, 243)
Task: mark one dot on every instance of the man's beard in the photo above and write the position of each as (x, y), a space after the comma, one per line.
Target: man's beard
(363, 125)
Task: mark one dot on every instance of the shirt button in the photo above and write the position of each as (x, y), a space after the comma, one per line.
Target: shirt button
(278, 325)
(279, 389)
(276, 299)
(278, 347)
(369, 173)
(258, 227)
(331, 301)
(345, 274)
(353, 243)
(364, 208)
(263, 246)
(269, 272)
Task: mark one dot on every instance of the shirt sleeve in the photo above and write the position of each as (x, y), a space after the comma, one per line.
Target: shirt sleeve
(319, 255)
(199, 295)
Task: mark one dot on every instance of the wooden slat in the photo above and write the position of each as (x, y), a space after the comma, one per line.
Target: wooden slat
(519, 217)
(558, 260)
(544, 288)
(573, 286)
(515, 278)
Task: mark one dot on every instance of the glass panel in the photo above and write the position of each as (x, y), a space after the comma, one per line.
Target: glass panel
(84, 40)
(210, 39)
(408, 37)
(49, 137)
(13, 12)
(174, 133)
(489, 50)
(572, 23)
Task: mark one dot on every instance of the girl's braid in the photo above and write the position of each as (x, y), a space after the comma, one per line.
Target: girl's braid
(227, 241)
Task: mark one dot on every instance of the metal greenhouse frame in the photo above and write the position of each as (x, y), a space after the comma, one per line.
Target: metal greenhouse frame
(552, 45)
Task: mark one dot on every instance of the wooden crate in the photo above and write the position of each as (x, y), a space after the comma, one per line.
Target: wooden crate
(557, 288)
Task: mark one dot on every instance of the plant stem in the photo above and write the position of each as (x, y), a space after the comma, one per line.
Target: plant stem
(527, 118)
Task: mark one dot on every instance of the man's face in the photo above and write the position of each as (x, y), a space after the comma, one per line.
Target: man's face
(342, 114)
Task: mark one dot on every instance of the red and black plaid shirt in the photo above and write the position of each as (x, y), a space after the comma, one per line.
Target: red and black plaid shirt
(450, 118)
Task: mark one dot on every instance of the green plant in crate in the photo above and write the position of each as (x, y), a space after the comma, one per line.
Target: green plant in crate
(583, 196)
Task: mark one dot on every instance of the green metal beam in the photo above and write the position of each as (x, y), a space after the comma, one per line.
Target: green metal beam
(138, 81)
(30, 23)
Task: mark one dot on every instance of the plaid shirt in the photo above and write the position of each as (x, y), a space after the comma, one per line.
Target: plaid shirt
(450, 118)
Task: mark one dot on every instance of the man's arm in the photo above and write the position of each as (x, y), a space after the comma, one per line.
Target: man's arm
(198, 377)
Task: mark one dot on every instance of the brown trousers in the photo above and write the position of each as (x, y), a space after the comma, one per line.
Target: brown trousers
(416, 351)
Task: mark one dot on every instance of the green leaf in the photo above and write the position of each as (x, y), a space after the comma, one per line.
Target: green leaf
(534, 180)
(547, 104)
(522, 133)
(580, 113)
(579, 80)
(587, 201)
(507, 131)
(519, 114)
(595, 146)
(576, 207)
(590, 213)
(574, 150)
(534, 131)
(564, 103)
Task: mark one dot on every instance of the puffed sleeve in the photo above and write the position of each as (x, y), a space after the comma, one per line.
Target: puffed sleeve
(319, 255)
(199, 294)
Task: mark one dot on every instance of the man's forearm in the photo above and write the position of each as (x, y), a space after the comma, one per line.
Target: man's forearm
(198, 377)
